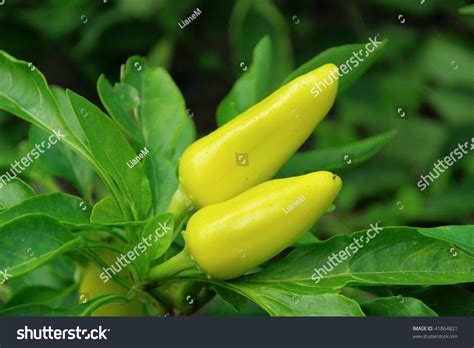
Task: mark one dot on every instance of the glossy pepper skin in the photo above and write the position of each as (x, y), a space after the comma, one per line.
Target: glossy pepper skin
(229, 238)
(252, 147)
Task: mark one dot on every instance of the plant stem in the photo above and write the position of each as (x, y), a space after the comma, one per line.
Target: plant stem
(185, 296)
(179, 205)
(176, 264)
(163, 297)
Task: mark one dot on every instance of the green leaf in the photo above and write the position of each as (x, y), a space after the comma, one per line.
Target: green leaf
(237, 301)
(25, 93)
(112, 151)
(121, 102)
(149, 105)
(42, 295)
(57, 273)
(15, 192)
(454, 106)
(39, 310)
(218, 307)
(453, 204)
(397, 307)
(167, 128)
(335, 158)
(414, 8)
(467, 10)
(161, 53)
(461, 236)
(60, 161)
(107, 212)
(395, 256)
(67, 209)
(331, 208)
(251, 87)
(343, 55)
(249, 22)
(164, 180)
(97, 244)
(68, 113)
(296, 301)
(446, 300)
(159, 232)
(23, 248)
(446, 62)
(307, 239)
(412, 132)
(53, 20)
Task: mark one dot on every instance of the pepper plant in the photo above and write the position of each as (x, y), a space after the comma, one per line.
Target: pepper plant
(102, 250)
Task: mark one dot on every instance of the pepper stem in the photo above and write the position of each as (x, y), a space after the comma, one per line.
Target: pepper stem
(179, 205)
(176, 264)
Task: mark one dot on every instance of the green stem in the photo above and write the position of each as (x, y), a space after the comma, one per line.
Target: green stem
(162, 296)
(185, 296)
(160, 307)
(179, 205)
(204, 296)
(176, 264)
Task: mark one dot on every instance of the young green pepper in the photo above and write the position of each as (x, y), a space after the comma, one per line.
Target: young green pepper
(253, 146)
(227, 239)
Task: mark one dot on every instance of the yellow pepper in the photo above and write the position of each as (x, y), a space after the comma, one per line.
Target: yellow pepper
(252, 147)
(227, 239)
(92, 286)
